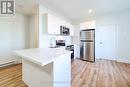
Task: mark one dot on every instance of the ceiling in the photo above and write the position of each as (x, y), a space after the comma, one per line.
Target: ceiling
(78, 9)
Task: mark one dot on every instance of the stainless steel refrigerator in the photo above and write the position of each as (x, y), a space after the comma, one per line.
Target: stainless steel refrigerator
(87, 45)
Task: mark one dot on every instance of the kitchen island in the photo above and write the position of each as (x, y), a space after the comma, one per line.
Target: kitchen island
(46, 67)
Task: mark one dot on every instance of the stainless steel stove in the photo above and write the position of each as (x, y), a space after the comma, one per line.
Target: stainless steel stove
(67, 47)
(71, 48)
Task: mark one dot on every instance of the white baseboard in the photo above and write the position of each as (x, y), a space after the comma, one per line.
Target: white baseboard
(10, 62)
(7, 63)
(123, 61)
(119, 60)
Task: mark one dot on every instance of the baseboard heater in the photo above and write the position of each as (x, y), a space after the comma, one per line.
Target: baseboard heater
(7, 64)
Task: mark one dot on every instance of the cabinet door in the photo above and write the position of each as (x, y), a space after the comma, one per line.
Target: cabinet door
(71, 30)
(76, 51)
(57, 29)
(88, 25)
(53, 24)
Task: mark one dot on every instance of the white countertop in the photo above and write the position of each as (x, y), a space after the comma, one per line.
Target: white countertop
(41, 56)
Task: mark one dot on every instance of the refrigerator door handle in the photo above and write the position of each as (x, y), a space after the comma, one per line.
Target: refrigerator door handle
(81, 50)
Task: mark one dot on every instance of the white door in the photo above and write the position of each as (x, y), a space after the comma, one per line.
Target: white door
(106, 42)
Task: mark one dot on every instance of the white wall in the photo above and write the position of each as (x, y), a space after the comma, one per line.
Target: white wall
(13, 36)
(122, 20)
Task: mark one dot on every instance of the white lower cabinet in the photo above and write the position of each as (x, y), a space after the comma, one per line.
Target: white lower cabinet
(76, 51)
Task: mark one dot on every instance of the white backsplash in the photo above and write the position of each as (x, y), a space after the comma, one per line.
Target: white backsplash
(66, 38)
(75, 40)
(45, 40)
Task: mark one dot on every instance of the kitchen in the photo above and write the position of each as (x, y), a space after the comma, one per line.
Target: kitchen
(47, 37)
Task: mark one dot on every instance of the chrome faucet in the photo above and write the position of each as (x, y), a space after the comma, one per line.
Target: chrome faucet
(53, 42)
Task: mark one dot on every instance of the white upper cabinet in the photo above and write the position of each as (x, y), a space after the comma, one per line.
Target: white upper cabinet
(52, 24)
(87, 25)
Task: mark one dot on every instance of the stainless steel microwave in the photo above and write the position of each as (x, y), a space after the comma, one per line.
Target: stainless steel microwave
(64, 30)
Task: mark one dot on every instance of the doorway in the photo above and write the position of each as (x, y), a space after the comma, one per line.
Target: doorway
(106, 42)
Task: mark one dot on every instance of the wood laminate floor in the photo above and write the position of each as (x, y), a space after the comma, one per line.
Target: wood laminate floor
(102, 73)
(11, 76)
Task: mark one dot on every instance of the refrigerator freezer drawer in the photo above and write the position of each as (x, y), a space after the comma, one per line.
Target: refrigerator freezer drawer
(87, 51)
